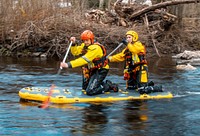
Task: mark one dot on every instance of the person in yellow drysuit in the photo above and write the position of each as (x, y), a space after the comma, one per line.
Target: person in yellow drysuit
(94, 64)
(135, 68)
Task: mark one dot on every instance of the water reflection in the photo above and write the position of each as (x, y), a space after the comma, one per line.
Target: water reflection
(136, 115)
(94, 119)
(178, 116)
(26, 104)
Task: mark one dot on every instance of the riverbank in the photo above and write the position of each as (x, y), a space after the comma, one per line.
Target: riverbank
(46, 34)
(171, 42)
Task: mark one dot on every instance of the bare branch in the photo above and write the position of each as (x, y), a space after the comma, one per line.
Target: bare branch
(161, 5)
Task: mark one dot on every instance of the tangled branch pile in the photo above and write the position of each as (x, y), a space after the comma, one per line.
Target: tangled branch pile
(39, 36)
(157, 27)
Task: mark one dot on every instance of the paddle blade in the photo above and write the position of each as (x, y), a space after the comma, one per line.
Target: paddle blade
(45, 104)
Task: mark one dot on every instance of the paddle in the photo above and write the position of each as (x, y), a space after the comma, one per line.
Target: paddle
(45, 104)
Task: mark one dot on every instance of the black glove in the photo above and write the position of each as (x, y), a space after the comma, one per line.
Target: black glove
(75, 43)
(124, 41)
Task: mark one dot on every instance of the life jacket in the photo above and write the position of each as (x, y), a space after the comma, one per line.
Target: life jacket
(100, 62)
(131, 64)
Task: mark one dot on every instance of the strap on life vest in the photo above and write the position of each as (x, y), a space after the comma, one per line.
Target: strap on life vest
(129, 63)
(142, 58)
(100, 62)
(84, 50)
(128, 58)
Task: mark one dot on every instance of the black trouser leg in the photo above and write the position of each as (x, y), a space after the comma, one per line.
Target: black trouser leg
(85, 83)
(96, 84)
(132, 82)
(135, 81)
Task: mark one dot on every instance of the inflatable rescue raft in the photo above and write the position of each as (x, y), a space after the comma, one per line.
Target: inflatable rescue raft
(62, 95)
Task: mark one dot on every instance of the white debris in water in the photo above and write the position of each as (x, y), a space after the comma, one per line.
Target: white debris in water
(185, 67)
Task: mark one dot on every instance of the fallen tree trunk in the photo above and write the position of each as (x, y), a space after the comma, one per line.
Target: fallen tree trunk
(161, 5)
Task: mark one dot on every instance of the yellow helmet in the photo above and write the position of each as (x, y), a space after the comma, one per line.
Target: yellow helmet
(134, 34)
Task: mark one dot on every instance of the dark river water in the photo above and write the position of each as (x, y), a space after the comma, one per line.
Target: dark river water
(179, 116)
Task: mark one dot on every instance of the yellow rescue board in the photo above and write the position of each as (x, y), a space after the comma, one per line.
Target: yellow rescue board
(63, 95)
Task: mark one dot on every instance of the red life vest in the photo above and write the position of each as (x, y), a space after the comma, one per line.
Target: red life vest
(98, 62)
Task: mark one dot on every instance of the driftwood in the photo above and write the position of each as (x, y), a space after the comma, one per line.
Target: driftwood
(161, 5)
(156, 21)
(102, 17)
(165, 13)
(121, 18)
(121, 15)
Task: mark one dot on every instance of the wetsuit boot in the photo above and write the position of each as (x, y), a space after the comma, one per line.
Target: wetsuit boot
(112, 86)
(150, 89)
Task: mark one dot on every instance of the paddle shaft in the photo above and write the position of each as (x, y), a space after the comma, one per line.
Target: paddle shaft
(67, 53)
(114, 50)
(64, 59)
